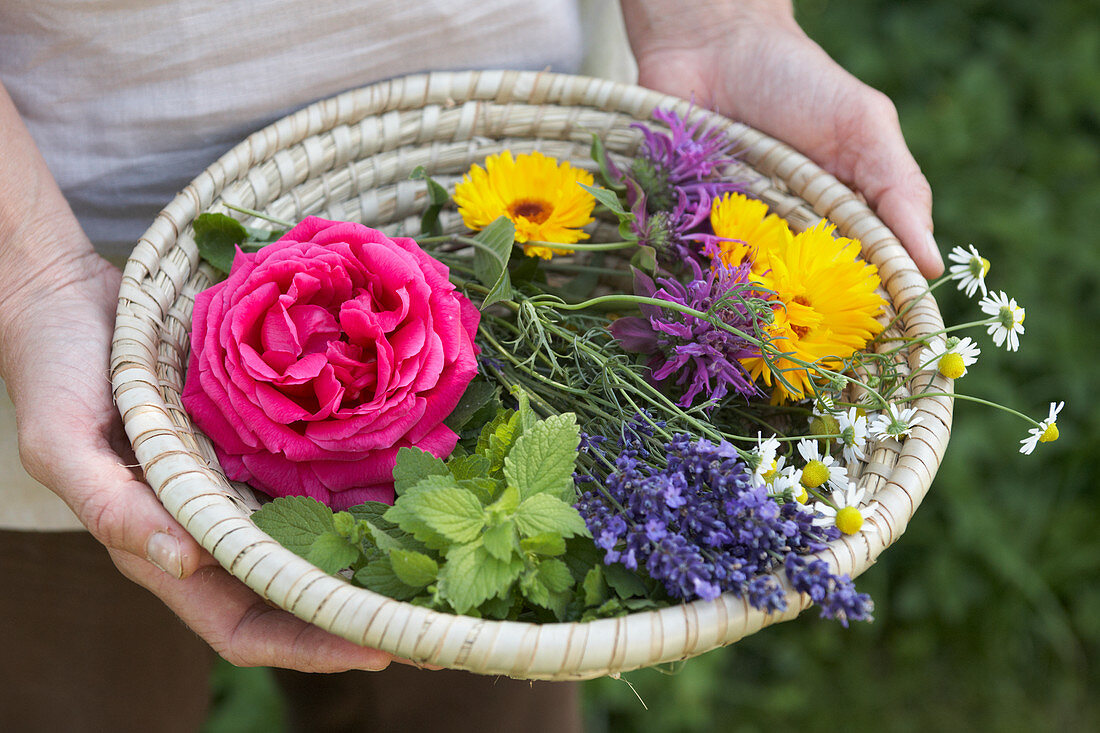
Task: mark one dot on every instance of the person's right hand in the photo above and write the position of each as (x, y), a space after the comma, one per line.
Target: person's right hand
(55, 361)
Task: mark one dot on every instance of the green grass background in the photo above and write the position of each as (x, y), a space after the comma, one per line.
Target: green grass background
(988, 609)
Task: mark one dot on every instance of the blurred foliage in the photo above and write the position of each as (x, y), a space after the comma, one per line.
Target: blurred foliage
(988, 609)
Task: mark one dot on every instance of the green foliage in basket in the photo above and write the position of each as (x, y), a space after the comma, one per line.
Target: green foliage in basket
(485, 533)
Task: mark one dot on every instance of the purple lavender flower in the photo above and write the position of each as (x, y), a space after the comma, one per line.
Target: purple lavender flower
(700, 528)
(699, 356)
(836, 595)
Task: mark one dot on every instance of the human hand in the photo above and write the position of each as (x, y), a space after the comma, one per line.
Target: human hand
(749, 60)
(54, 356)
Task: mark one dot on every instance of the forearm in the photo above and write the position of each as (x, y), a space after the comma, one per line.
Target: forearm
(42, 247)
(653, 25)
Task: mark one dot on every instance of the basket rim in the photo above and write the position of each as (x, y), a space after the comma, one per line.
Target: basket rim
(196, 496)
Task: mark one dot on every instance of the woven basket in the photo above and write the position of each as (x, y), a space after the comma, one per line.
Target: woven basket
(349, 157)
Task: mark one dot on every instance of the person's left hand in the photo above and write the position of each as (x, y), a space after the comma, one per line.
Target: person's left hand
(749, 60)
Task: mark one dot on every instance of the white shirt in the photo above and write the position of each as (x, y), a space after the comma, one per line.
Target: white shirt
(128, 100)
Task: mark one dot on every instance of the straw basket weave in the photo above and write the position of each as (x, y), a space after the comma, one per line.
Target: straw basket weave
(349, 158)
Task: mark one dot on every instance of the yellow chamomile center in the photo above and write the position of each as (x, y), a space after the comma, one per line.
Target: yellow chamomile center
(803, 496)
(951, 365)
(771, 473)
(1050, 434)
(849, 520)
(814, 474)
(979, 266)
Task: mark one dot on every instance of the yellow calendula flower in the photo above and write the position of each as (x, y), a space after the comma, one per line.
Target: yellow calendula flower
(542, 197)
(825, 308)
(748, 231)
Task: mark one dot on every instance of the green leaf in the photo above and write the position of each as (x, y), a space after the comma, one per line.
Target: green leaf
(295, 522)
(414, 569)
(547, 543)
(471, 576)
(378, 576)
(478, 394)
(645, 259)
(373, 512)
(507, 503)
(625, 583)
(384, 540)
(413, 465)
(555, 574)
(345, 525)
(491, 260)
(608, 199)
(500, 441)
(501, 418)
(485, 489)
(500, 540)
(545, 513)
(543, 458)
(437, 199)
(472, 466)
(332, 553)
(453, 512)
(526, 416)
(217, 236)
(595, 589)
(599, 154)
(534, 590)
(405, 515)
(498, 607)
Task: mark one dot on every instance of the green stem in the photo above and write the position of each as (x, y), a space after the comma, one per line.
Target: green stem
(259, 215)
(969, 398)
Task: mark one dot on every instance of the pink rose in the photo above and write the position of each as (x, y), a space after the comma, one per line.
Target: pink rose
(322, 355)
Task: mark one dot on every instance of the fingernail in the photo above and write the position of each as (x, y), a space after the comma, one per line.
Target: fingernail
(163, 550)
(933, 248)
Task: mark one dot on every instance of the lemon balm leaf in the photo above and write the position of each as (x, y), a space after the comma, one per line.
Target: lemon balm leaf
(295, 522)
(543, 458)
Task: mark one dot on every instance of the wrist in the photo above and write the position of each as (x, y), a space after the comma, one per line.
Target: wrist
(662, 25)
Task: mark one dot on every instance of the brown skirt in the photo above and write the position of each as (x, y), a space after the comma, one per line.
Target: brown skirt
(84, 649)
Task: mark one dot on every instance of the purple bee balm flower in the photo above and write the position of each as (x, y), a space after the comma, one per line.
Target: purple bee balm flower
(699, 356)
(676, 171)
(672, 232)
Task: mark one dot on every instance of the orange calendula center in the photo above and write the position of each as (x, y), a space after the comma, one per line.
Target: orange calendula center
(532, 210)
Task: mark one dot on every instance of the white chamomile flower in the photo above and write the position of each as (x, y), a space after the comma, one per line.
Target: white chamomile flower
(970, 270)
(785, 483)
(820, 468)
(894, 423)
(848, 514)
(1046, 432)
(853, 435)
(764, 454)
(1010, 319)
(950, 357)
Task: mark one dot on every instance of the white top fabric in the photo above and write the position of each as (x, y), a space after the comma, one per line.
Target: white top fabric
(128, 100)
(131, 99)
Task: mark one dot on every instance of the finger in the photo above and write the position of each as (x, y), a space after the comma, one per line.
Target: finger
(246, 631)
(873, 155)
(122, 513)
